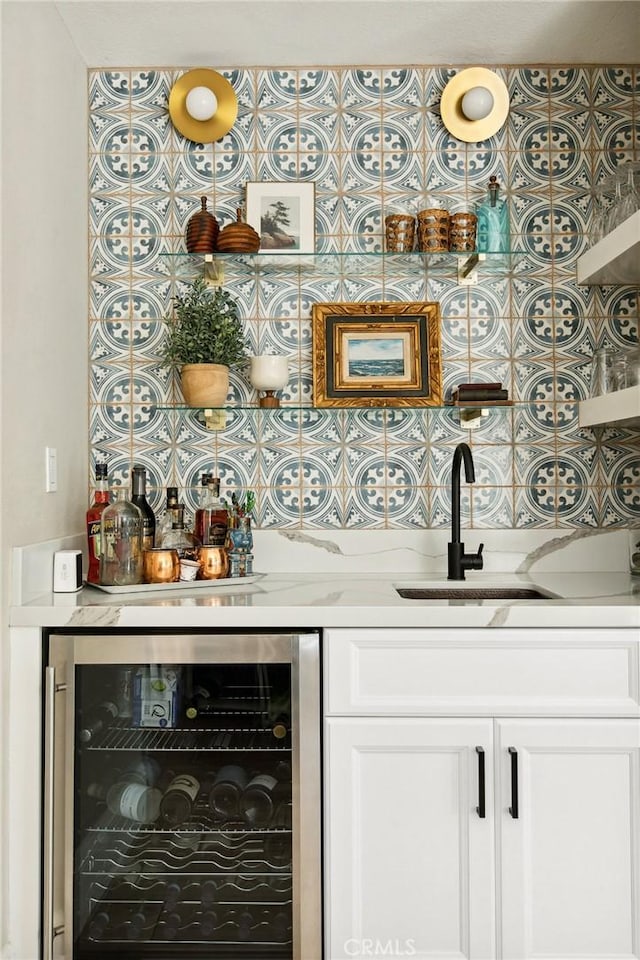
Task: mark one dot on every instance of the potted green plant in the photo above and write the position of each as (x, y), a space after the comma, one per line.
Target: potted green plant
(204, 339)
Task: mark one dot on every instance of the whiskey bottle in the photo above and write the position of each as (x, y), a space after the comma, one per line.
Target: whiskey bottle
(100, 500)
(211, 516)
(139, 497)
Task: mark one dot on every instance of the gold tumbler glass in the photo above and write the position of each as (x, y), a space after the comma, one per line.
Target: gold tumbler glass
(161, 565)
(214, 563)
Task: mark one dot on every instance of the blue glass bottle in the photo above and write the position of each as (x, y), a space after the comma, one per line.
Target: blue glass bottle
(493, 221)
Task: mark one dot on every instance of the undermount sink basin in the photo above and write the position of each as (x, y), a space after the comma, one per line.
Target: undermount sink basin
(471, 592)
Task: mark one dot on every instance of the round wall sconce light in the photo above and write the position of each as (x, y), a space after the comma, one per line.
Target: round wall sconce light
(203, 105)
(474, 104)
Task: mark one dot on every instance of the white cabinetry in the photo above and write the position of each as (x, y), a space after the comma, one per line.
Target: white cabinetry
(570, 863)
(410, 860)
(410, 863)
(613, 260)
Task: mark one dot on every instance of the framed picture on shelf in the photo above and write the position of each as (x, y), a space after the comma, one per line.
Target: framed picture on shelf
(376, 354)
(283, 213)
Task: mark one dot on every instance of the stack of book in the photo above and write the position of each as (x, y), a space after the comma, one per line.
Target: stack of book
(479, 393)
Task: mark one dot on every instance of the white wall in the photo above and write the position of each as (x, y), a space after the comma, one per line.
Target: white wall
(43, 328)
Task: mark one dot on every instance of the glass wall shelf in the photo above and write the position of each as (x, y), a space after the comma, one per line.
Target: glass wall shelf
(468, 415)
(464, 266)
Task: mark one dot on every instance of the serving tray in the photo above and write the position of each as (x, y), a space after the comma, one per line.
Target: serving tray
(180, 585)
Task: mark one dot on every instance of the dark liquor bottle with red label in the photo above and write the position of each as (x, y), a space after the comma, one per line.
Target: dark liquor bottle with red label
(100, 500)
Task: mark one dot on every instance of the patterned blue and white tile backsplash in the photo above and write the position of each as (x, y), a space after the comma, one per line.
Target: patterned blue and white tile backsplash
(373, 142)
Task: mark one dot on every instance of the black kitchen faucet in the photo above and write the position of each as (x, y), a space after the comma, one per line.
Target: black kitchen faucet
(457, 560)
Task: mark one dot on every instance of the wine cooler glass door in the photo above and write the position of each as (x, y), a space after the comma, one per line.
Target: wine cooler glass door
(191, 824)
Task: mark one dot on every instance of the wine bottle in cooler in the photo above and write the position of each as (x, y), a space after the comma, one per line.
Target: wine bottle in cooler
(134, 801)
(101, 499)
(99, 924)
(228, 786)
(258, 800)
(139, 497)
(168, 927)
(99, 720)
(208, 923)
(179, 798)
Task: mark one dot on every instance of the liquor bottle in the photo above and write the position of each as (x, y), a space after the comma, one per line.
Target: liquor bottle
(100, 500)
(257, 802)
(493, 221)
(204, 483)
(211, 516)
(139, 497)
(181, 539)
(168, 517)
(228, 786)
(121, 542)
(179, 798)
(101, 718)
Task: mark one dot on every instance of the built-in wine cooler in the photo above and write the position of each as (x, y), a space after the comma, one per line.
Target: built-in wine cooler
(182, 797)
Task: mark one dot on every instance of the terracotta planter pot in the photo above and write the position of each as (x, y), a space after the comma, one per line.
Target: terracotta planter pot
(204, 384)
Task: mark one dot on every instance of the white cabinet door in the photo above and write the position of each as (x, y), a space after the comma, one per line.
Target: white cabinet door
(410, 863)
(570, 862)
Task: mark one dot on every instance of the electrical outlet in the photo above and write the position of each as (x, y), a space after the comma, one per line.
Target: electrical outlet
(51, 469)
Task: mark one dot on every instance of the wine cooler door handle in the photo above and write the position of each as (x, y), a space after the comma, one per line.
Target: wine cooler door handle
(481, 808)
(514, 809)
(49, 780)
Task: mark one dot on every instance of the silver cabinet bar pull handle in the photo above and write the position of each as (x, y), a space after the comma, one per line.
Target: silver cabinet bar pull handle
(481, 809)
(514, 808)
(48, 932)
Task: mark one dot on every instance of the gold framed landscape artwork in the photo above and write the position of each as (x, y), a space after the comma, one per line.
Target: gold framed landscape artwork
(376, 354)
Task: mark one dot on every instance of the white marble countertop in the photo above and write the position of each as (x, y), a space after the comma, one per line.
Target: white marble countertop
(280, 600)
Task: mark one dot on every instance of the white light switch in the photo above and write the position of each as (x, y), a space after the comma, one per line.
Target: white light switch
(51, 469)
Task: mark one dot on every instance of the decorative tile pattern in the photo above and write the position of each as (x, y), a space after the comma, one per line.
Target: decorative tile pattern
(372, 141)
